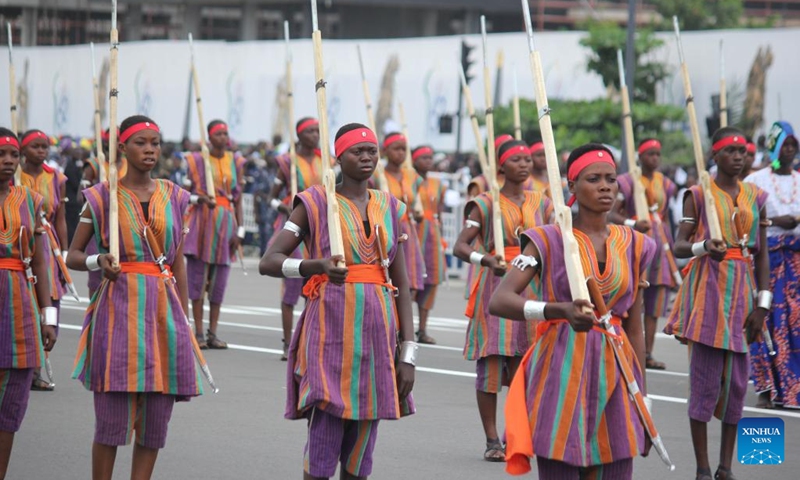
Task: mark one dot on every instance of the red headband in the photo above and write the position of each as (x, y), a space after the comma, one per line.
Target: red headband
(33, 136)
(501, 140)
(588, 158)
(216, 128)
(308, 123)
(138, 127)
(9, 141)
(536, 147)
(518, 150)
(650, 144)
(398, 137)
(420, 152)
(751, 147)
(354, 137)
(727, 141)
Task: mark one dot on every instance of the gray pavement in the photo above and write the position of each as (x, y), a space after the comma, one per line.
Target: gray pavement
(240, 432)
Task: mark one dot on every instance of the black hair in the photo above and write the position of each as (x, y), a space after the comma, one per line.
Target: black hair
(133, 120)
(4, 132)
(508, 145)
(578, 152)
(348, 128)
(726, 132)
(214, 123)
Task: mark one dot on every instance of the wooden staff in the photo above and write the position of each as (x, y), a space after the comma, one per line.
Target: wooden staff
(98, 127)
(409, 163)
(12, 90)
(290, 117)
(383, 184)
(476, 129)
(494, 187)
(723, 91)
(113, 220)
(714, 228)
(640, 203)
(515, 105)
(328, 177)
(210, 188)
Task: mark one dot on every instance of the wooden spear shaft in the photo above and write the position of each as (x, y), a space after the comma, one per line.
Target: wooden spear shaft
(210, 188)
(290, 117)
(476, 128)
(380, 173)
(714, 227)
(328, 177)
(723, 90)
(515, 105)
(12, 91)
(98, 127)
(494, 187)
(113, 221)
(639, 198)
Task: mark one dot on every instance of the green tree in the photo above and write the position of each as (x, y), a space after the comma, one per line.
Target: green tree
(605, 39)
(701, 14)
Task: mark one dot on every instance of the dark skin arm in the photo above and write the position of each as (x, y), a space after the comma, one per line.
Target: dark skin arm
(683, 244)
(277, 187)
(786, 222)
(463, 247)
(76, 260)
(43, 290)
(619, 214)
(754, 323)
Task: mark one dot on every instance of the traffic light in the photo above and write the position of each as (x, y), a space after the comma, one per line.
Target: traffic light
(466, 63)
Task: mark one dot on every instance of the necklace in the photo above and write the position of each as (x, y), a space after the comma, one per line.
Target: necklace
(778, 192)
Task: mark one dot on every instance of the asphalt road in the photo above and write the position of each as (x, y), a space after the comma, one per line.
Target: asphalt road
(240, 432)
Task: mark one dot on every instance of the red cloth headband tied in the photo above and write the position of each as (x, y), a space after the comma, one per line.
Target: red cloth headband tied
(398, 137)
(501, 140)
(537, 147)
(421, 152)
(751, 147)
(216, 128)
(518, 150)
(648, 145)
(33, 136)
(308, 123)
(354, 137)
(9, 141)
(588, 158)
(727, 141)
(138, 127)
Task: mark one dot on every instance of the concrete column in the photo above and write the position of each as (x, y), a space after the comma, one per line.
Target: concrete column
(430, 19)
(191, 20)
(472, 22)
(132, 26)
(249, 25)
(30, 19)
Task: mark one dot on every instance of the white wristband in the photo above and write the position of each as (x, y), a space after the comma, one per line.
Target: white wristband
(408, 353)
(629, 222)
(193, 199)
(472, 224)
(294, 228)
(475, 258)
(533, 310)
(275, 203)
(764, 299)
(699, 249)
(93, 263)
(240, 232)
(291, 268)
(49, 316)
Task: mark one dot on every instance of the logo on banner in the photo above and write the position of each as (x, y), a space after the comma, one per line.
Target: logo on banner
(760, 441)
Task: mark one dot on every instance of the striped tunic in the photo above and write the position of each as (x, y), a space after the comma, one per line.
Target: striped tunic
(20, 334)
(211, 229)
(575, 398)
(658, 191)
(136, 337)
(487, 334)
(716, 297)
(341, 359)
(406, 189)
(531, 184)
(94, 164)
(431, 193)
(48, 184)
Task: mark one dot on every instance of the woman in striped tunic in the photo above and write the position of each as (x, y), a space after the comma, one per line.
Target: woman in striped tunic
(23, 331)
(568, 403)
(136, 350)
(344, 375)
(52, 186)
(495, 343)
(715, 310)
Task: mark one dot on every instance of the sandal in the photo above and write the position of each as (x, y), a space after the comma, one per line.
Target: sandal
(495, 451)
(726, 471)
(214, 342)
(765, 401)
(285, 356)
(653, 364)
(425, 339)
(201, 341)
(39, 384)
(704, 474)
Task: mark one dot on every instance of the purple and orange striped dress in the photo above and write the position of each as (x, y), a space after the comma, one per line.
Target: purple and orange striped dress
(135, 336)
(716, 297)
(341, 359)
(20, 333)
(211, 229)
(431, 194)
(575, 399)
(48, 184)
(488, 334)
(406, 189)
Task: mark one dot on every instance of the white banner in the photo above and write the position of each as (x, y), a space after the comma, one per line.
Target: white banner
(240, 81)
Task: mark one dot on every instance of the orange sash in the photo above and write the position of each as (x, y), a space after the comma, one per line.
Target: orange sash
(510, 253)
(543, 325)
(364, 273)
(430, 215)
(145, 268)
(734, 253)
(13, 264)
(223, 201)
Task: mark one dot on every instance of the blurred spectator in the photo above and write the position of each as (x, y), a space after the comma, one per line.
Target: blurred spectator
(259, 178)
